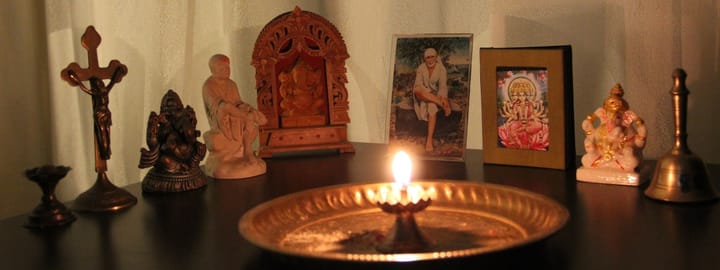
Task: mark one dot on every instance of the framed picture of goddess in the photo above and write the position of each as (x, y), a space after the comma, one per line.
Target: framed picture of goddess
(527, 106)
(429, 97)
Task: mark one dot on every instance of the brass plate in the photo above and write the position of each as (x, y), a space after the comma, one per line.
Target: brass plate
(342, 222)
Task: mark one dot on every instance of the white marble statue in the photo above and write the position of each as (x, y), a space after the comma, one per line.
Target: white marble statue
(613, 146)
(233, 126)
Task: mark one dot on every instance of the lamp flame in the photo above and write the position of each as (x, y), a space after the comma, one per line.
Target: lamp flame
(402, 168)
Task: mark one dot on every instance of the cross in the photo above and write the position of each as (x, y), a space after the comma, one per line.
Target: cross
(75, 75)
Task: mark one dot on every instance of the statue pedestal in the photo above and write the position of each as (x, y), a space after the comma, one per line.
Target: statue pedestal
(608, 176)
(229, 159)
(159, 181)
(234, 169)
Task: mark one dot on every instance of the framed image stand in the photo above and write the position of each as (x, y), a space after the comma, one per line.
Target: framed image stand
(430, 95)
(527, 106)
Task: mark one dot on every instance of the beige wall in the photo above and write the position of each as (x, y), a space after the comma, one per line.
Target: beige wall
(636, 43)
(24, 135)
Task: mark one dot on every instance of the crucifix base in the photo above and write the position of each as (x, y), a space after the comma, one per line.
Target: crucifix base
(103, 196)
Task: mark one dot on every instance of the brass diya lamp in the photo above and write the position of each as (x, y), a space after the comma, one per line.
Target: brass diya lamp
(50, 212)
(403, 200)
(350, 221)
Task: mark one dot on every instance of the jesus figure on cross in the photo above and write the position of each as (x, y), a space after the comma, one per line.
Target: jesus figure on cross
(115, 71)
(103, 195)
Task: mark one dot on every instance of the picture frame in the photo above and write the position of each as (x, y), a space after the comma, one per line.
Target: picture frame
(428, 119)
(527, 106)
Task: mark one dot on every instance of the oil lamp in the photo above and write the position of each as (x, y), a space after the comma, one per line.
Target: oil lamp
(50, 212)
(403, 199)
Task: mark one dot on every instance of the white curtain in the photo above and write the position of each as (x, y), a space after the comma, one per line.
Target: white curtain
(166, 45)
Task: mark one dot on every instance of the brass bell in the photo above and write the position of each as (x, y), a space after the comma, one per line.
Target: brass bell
(680, 175)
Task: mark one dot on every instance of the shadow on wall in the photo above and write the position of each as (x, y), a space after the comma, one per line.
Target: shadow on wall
(24, 107)
(241, 54)
(589, 79)
(700, 48)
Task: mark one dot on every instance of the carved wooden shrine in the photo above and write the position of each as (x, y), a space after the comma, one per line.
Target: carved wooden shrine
(299, 58)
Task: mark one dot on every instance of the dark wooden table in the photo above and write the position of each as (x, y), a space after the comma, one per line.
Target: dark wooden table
(610, 227)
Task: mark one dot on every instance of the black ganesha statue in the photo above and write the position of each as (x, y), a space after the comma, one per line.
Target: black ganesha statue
(174, 153)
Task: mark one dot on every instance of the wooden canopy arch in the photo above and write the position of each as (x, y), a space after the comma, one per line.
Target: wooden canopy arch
(299, 59)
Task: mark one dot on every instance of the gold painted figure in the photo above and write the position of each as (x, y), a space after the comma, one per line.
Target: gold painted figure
(613, 146)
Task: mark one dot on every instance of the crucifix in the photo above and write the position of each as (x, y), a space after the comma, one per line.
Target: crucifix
(103, 195)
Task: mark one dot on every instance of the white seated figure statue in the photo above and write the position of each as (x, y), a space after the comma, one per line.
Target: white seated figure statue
(613, 147)
(233, 126)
